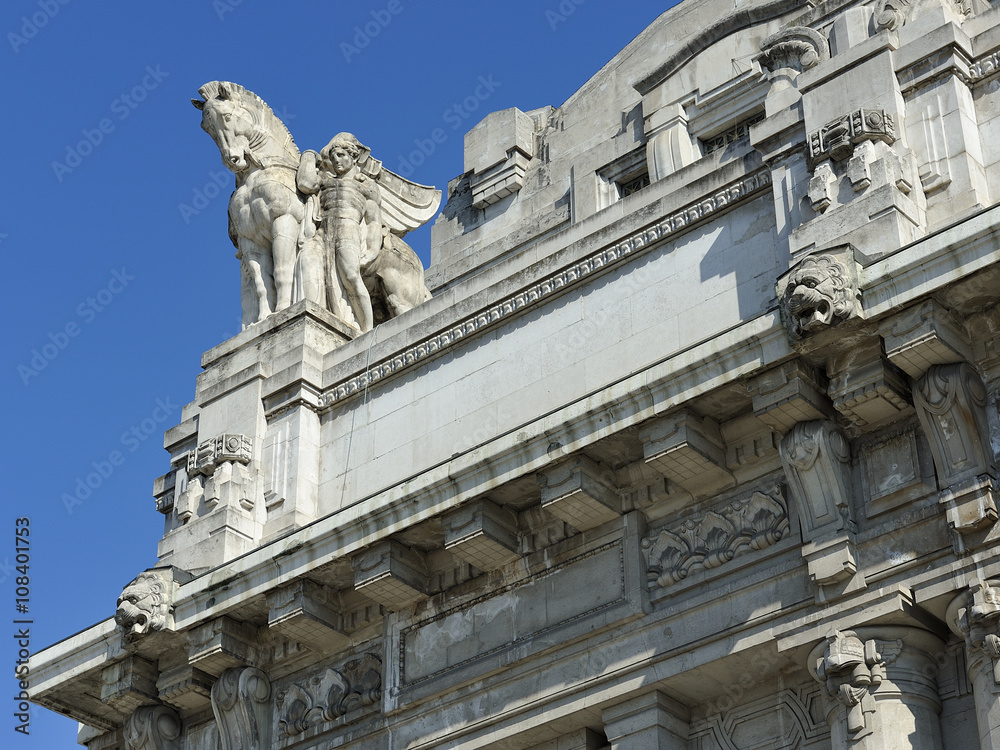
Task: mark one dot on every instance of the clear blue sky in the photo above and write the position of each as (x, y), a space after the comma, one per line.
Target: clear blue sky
(113, 228)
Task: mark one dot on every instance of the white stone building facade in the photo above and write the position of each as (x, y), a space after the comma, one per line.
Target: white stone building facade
(694, 447)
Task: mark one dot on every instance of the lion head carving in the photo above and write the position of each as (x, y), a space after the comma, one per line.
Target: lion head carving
(144, 605)
(818, 294)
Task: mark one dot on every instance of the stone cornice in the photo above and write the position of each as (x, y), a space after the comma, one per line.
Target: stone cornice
(541, 291)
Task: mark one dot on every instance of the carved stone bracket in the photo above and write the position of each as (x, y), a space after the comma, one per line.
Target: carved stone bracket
(816, 456)
(976, 616)
(146, 604)
(924, 335)
(391, 574)
(241, 700)
(688, 450)
(219, 473)
(951, 403)
(330, 695)
(852, 671)
(220, 644)
(790, 393)
(838, 140)
(128, 684)
(790, 51)
(865, 387)
(891, 14)
(305, 613)
(717, 537)
(153, 728)
(483, 534)
(819, 292)
(577, 491)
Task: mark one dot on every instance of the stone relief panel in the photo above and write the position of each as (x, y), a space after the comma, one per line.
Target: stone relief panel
(790, 720)
(717, 537)
(819, 292)
(328, 696)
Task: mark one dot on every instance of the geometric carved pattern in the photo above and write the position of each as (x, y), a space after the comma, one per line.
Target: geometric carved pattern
(786, 721)
(837, 139)
(716, 538)
(330, 695)
(217, 450)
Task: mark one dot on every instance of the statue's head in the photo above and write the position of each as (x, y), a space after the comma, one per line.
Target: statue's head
(342, 152)
(818, 294)
(228, 122)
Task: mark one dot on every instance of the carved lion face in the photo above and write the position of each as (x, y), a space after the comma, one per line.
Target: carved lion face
(817, 295)
(142, 606)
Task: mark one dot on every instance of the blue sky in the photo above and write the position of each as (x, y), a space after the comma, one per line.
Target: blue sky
(113, 223)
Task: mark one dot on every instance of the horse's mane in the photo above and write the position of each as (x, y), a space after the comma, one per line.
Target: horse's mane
(268, 123)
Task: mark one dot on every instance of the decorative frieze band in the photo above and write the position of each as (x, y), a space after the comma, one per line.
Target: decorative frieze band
(567, 277)
(330, 695)
(716, 538)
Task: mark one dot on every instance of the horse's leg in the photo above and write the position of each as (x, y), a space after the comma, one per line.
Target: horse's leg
(284, 243)
(248, 296)
(259, 268)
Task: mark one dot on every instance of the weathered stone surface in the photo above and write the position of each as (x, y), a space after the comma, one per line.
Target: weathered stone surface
(650, 443)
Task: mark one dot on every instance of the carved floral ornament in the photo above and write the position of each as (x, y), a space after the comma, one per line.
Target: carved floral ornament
(330, 695)
(817, 294)
(716, 538)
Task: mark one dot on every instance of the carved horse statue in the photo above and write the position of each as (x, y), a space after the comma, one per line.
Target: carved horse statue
(266, 210)
(273, 224)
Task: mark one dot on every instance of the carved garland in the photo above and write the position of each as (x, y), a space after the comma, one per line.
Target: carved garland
(550, 285)
(716, 538)
(337, 692)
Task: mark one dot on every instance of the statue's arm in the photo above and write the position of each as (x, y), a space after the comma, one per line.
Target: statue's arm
(307, 178)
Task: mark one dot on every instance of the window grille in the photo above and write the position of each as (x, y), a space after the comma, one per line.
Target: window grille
(723, 139)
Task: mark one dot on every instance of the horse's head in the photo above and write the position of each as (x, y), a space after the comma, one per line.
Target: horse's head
(231, 126)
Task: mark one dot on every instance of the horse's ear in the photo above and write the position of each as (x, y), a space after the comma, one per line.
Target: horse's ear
(198, 103)
(223, 92)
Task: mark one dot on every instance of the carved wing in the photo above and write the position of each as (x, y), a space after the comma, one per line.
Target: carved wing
(405, 205)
